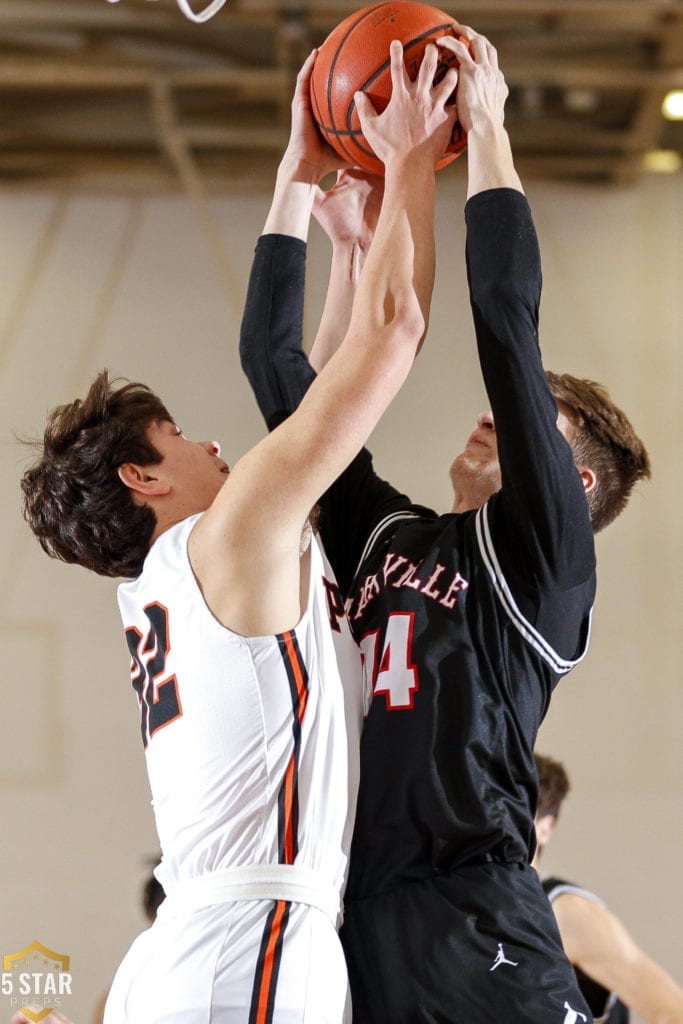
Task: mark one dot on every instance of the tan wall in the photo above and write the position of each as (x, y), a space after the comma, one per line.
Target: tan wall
(135, 286)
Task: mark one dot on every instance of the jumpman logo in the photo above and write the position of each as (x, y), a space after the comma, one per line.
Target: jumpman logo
(502, 959)
(573, 1015)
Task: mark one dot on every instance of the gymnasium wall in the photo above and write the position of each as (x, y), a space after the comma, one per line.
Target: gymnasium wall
(141, 286)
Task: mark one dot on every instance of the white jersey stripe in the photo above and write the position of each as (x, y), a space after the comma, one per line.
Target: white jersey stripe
(574, 890)
(389, 520)
(531, 635)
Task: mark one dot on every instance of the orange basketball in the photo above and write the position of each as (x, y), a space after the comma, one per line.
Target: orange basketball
(355, 57)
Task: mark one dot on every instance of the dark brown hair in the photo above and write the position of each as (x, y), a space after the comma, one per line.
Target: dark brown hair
(73, 499)
(604, 442)
(553, 785)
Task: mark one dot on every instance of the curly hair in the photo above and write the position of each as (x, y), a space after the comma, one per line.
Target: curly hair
(73, 499)
(553, 785)
(605, 442)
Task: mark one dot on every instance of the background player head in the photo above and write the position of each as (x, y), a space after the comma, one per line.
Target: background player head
(553, 787)
(607, 452)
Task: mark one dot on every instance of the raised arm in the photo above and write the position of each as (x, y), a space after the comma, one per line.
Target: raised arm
(258, 516)
(305, 162)
(542, 505)
(272, 324)
(597, 942)
(348, 213)
(481, 96)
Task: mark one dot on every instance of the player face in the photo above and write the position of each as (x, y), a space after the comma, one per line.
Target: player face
(475, 473)
(193, 469)
(544, 825)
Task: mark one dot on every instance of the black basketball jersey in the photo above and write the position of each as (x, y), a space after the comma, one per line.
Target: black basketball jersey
(459, 678)
(604, 1005)
(466, 621)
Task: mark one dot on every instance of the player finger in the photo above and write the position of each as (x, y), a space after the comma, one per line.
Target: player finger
(446, 87)
(425, 75)
(307, 65)
(365, 109)
(479, 46)
(303, 77)
(492, 55)
(399, 75)
(457, 47)
(467, 32)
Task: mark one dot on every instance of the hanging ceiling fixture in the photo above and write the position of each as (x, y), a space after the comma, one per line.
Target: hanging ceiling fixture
(212, 8)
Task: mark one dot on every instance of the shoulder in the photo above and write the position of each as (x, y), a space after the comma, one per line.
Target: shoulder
(408, 518)
(585, 923)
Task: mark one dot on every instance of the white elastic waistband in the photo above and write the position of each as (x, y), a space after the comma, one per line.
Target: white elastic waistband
(257, 882)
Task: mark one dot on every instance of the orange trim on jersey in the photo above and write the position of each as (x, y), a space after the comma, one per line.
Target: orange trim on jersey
(298, 673)
(270, 954)
(262, 1007)
(288, 787)
(288, 806)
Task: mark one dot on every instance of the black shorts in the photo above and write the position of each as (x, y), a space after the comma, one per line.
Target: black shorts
(477, 946)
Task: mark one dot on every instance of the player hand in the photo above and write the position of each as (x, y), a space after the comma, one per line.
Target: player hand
(348, 211)
(416, 119)
(306, 145)
(482, 90)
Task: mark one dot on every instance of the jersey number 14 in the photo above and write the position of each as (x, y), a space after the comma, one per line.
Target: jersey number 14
(392, 672)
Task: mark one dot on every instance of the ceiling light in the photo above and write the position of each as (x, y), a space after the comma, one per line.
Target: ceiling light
(662, 161)
(672, 107)
(212, 7)
(581, 101)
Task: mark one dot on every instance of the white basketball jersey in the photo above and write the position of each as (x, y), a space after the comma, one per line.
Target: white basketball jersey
(251, 743)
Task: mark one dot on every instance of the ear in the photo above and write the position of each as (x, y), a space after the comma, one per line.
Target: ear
(588, 478)
(545, 826)
(142, 480)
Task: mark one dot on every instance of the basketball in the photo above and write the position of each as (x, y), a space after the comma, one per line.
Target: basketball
(355, 57)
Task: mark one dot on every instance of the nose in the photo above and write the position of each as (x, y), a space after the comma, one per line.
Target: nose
(212, 447)
(485, 420)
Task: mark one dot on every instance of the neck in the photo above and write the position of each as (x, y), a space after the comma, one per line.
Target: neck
(165, 520)
(471, 496)
(467, 504)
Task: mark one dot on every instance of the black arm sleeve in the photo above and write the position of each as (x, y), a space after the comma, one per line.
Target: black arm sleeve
(540, 520)
(272, 327)
(280, 374)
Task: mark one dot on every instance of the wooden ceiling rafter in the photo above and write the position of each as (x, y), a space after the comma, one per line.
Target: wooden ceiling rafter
(586, 76)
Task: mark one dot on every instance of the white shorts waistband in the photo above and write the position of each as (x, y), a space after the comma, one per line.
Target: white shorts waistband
(256, 882)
